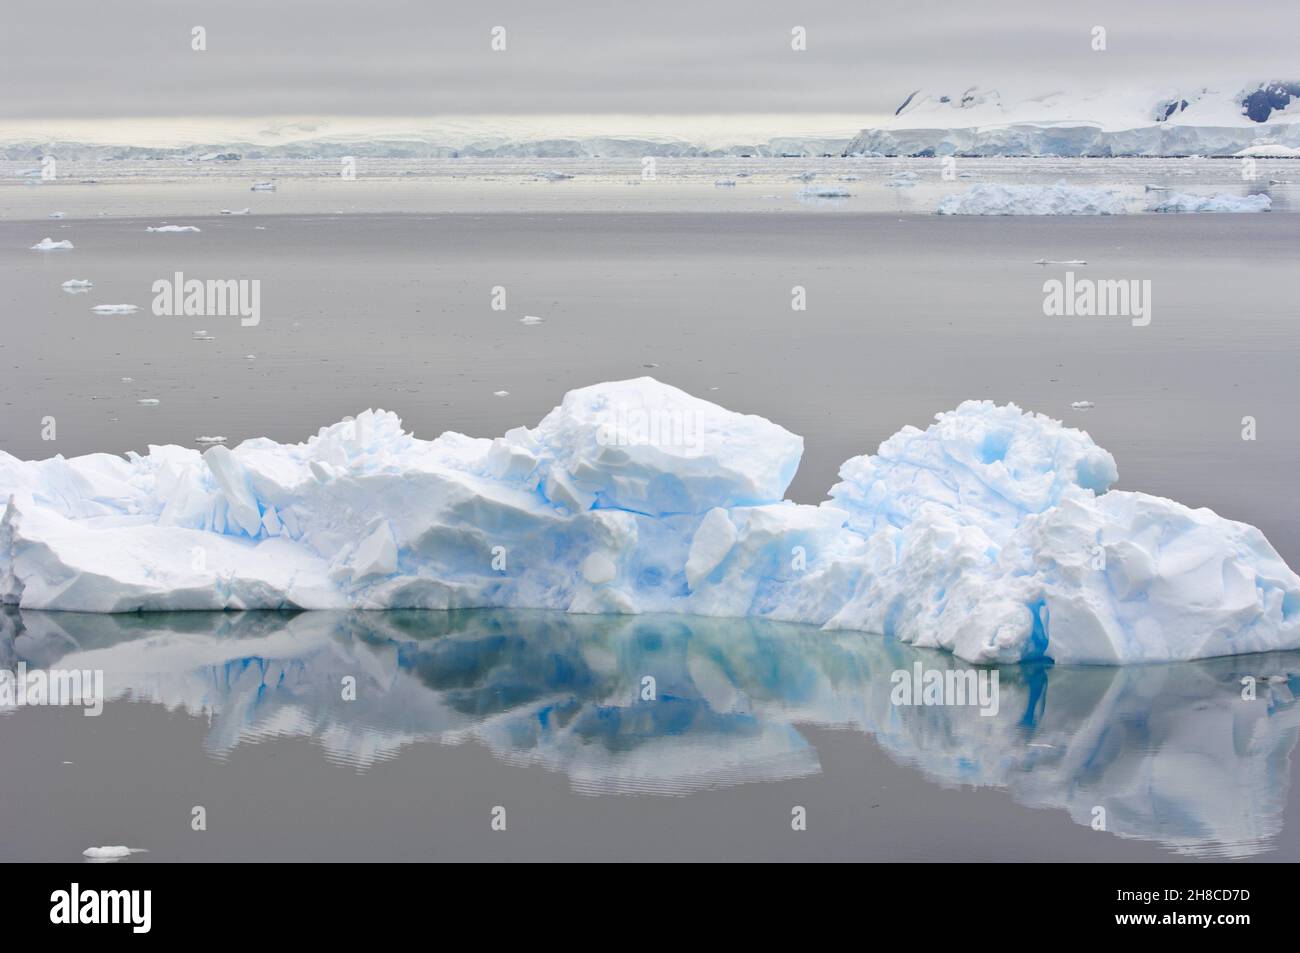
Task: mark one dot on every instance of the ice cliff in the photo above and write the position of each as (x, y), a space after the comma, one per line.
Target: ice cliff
(1133, 121)
(992, 533)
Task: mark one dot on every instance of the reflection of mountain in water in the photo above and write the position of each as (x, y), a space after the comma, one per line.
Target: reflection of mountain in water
(1172, 752)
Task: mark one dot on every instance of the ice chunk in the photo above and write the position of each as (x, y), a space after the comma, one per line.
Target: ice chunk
(173, 228)
(115, 308)
(111, 853)
(49, 244)
(713, 541)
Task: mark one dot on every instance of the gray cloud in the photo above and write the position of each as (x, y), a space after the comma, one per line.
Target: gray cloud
(96, 59)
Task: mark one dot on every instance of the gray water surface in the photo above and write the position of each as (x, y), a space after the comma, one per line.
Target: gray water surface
(547, 716)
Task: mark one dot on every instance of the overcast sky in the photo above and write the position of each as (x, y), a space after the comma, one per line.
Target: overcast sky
(132, 58)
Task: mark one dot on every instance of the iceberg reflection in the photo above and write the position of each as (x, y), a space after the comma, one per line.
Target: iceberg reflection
(1174, 753)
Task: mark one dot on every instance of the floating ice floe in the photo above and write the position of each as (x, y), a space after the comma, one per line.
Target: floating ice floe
(1058, 199)
(209, 439)
(902, 180)
(725, 184)
(549, 176)
(262, 187)
(501, 393)
(172, 228)
(1082, 404)
(1178, 202)
(824, 192)
(115, 308)
(992, 534)
(56, 215)
(77, 286)
(530, 319)
(111, 853)
(148, 401)
(236, 211)
(49, 244)
(1051, 261)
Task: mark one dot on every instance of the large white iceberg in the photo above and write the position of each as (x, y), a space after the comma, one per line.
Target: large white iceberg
(992, 534)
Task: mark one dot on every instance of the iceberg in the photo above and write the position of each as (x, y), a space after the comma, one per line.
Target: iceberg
(1178, 202)
(1128, 121)
(49, 244)
(1058, 199)
(992, 534)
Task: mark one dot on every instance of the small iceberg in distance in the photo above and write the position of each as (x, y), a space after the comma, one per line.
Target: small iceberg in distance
(77, 286)
(267, 186)
(49, 244)
(172, 228)
(115, 308)
(992, 534)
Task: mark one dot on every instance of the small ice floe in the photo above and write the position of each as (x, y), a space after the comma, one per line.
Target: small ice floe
(148, 401)
(530, 319)
(743, 175)
(549, 176)
(1082, 404)
(650, 364)
(724, 184)
(209, 439)
(77, 286)
(111, 853)
(1053, 261)
(1178, 202)
(200, 332)
(501, 393)
(49, 244)
(1156, 188)
(56, 215)
(250, 357)
(128, 380)
(236, 211)
(824, 192)
(902, 180)
(115, 308)
(262, 187)
(804, 176)
(172, 228)
(204, 337)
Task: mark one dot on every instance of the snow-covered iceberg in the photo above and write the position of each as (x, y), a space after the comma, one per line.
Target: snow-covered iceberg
(1058, 199)
(992, 534)
(1222, 202)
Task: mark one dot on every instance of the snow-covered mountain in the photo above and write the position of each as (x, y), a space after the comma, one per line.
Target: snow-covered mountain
(1220, 120)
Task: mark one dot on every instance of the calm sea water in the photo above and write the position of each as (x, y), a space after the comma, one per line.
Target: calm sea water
(383, 299)
(546, 716)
